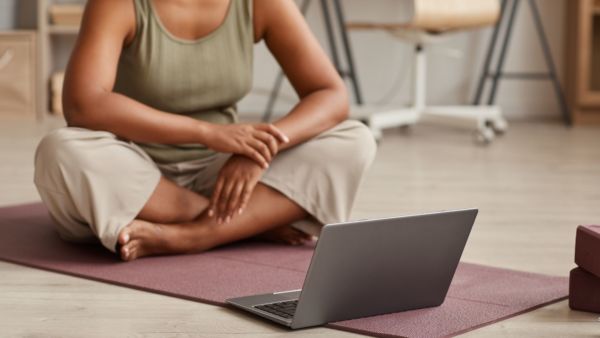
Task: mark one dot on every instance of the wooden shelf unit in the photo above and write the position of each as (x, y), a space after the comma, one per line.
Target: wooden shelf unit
(583, 61)
(18, 73)
(46, 34)
(63, 30)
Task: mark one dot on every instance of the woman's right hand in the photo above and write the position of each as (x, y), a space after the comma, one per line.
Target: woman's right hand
(259, 142)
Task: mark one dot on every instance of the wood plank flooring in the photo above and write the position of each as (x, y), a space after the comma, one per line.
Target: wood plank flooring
(533, 187)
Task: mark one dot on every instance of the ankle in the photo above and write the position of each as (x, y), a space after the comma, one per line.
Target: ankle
(195, 237)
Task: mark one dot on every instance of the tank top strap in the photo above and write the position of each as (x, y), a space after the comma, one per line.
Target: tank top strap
(245, 23)
(142, 11)
(249, 8)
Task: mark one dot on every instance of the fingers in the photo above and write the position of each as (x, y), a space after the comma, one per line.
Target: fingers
(233, 188)
(230, 199)
(223, 200)
(262, 148)
(266, 143)
(273, 130)
(269, 140)
(239, 199)
(245, 196)
(233, 205)
(256, 156)
(216, 196)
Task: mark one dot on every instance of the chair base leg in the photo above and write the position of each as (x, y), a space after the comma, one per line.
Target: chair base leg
(391, 119)
(485, 121)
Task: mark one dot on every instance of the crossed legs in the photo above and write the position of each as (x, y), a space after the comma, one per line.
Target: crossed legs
(174, 220)
(85, 178)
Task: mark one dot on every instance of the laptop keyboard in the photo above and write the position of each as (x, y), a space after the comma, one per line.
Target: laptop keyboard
(282, 309)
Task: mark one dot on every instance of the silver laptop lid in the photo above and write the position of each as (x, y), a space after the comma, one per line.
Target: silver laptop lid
(373, 267)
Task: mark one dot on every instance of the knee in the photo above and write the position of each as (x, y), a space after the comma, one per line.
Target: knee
(51, 148)
(350, 145)
(361, 145)
(56, 151)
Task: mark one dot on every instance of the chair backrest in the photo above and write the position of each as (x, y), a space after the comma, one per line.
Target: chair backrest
(442, 15)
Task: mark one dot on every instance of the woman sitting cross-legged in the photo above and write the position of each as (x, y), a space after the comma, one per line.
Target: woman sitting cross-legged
(154, 160)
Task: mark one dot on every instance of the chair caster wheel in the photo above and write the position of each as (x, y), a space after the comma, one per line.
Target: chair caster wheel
(485, 136)
(499, 126)
(377, 134)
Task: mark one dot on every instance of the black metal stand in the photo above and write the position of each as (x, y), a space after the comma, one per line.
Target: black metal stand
(349, 74)
(509, 12)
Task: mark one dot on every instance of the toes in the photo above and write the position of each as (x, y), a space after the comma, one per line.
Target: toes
(299, 241)
(129, 250)
(296, 237)
(125, 253)
(307, 237)
(124, 236)
(292, 239)
(303, 239)
(287, 235)
(133, 254)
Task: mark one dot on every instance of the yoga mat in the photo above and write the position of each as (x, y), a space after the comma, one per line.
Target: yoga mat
(479, 295)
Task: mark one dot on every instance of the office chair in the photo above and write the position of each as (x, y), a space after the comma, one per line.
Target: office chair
(424, 23)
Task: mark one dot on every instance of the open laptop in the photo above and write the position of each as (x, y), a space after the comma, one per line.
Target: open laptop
(372, 267)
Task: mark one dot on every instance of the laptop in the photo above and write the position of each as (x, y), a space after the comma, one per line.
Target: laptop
(372, 267)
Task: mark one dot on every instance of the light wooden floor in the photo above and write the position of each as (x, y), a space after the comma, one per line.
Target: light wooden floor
(533, 187)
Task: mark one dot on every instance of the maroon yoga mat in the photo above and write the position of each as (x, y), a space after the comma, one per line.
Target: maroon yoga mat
(479, 295)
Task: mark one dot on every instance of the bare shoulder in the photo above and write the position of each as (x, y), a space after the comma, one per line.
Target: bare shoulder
(106, 27)
(116, 16)
(269, 13)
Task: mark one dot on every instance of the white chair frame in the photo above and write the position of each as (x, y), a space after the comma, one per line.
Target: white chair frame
(485, 121)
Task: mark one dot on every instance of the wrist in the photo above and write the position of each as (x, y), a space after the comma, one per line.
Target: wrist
(252, 164)
(204, 130)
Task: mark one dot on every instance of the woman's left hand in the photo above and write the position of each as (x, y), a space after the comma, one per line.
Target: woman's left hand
(237, 179)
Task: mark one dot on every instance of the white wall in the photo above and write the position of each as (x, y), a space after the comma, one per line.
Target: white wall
(7, 14)
(384, 64)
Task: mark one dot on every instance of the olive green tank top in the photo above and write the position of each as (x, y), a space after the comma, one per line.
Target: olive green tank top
(203, 78)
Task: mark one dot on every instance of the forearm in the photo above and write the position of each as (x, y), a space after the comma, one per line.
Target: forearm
(133, 120)
(314, 114)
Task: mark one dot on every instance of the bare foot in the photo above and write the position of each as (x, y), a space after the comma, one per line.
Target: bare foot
(286, 235)
(141, 238)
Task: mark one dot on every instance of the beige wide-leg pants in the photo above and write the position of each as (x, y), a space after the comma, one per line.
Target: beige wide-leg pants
(94, 183)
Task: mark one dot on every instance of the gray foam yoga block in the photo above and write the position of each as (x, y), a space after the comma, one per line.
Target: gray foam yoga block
(587, 248)
(584, 291)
